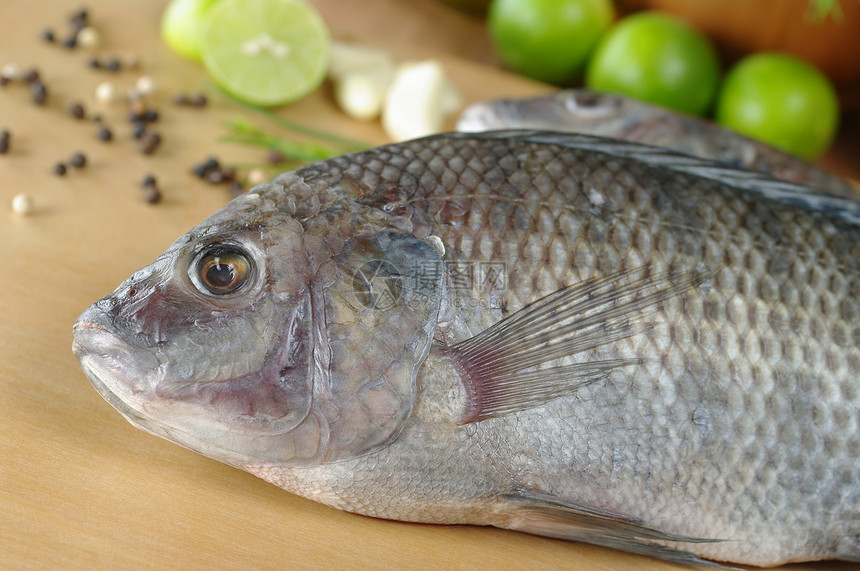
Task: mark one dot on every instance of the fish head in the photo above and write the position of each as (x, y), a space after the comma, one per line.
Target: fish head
(574, 110)
(208, 345)
(241, 341)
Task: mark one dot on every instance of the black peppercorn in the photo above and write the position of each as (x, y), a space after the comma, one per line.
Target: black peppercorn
(78, 160)
(275, 157)
(204, 168)
(228, 173)
(38, 93)
(79, 19)
(76, 110)
(138, 128)
(151, 193)
(199, 100)
(149, 143)
(104, 134)
(48, 35)
(60, 169)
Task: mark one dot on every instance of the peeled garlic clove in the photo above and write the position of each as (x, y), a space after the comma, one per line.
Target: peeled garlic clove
(361, 93)
(417, 101)
(452, 101)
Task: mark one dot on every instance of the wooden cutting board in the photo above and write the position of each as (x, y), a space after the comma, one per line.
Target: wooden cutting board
(79, 487)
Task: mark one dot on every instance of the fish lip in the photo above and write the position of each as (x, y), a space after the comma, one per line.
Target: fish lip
(113, 399)
(93, 323)
(91, 338)
(94, 332)
(102, 352)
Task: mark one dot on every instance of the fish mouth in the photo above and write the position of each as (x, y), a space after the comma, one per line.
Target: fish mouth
(127, 377)
(106, 358)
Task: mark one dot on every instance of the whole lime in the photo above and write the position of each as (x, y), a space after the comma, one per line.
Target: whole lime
(180, 25)
(657, 58)
(548, 40)
(782, 101)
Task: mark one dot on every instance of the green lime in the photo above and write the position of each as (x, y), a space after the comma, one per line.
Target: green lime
(657, 58)
(180, 26)
(548, 40)
(782, 101)
(265, 52)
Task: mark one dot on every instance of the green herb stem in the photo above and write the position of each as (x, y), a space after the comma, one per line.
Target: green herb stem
(345, 144)
(240, 131)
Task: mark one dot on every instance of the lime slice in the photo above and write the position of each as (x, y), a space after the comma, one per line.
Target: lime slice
(265, 52)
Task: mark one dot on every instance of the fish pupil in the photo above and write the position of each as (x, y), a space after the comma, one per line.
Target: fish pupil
(220, 275)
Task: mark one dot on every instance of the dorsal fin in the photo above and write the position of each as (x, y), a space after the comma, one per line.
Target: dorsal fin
(763, 184)
(508, 366)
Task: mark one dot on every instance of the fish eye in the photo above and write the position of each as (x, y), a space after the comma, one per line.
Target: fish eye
(221, 269)
(587, 99)
(588, 104)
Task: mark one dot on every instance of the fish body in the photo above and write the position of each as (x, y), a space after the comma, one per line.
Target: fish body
(619, 117)
(560, 334)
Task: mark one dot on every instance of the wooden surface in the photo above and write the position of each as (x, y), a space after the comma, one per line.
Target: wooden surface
(79, 487)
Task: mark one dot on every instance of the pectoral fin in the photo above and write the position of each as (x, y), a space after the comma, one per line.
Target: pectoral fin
(544, 514)
(509, 367)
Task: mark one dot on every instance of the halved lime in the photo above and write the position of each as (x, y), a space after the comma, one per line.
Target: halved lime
(265, 52)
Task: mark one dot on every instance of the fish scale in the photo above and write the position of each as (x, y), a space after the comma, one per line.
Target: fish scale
(559, 334)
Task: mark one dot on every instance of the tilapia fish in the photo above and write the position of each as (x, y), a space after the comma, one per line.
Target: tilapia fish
(565, 335)
(618, 117)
